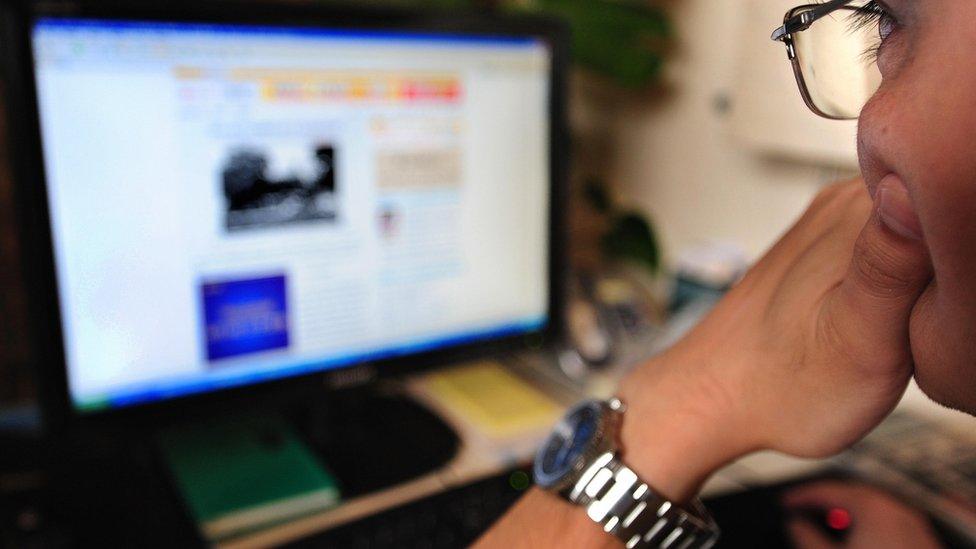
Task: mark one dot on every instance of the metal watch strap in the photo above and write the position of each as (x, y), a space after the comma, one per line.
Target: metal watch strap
(629, 509)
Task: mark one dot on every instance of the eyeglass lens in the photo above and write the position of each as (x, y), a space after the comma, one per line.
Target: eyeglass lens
(837, 59)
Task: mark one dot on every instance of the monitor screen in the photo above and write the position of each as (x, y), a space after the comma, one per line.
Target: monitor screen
(233, 204)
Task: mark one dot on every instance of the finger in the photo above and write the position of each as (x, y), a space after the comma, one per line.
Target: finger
(889, 270)
(816, 222)
(806, 536)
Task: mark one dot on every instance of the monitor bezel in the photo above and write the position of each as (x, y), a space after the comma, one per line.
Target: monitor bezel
(38, 262)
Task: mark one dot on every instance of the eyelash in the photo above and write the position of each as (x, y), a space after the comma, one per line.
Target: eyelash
(874, 14)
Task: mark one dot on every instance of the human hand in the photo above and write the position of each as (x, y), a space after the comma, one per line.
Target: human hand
(877, 519)
(805, 355)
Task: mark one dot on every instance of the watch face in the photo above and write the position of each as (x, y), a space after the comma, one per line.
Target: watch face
(569, 442)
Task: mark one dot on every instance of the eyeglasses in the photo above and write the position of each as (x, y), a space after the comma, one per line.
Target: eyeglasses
(833, 49)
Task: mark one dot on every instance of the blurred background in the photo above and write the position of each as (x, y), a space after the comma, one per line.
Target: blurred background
(690, 152)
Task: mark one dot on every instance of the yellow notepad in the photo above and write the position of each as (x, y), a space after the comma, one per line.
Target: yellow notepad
(494, 400)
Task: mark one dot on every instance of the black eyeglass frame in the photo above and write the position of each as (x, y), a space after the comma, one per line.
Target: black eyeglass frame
(800, 19)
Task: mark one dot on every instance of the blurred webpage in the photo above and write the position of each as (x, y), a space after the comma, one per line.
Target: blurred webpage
(234, 204)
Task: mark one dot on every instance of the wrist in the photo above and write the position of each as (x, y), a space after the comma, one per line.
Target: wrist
(681, 426)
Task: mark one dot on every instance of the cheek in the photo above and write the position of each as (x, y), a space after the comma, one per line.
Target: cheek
(936, 155)
(922, 126)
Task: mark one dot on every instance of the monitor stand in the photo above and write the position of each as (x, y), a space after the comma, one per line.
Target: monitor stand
(371, 438)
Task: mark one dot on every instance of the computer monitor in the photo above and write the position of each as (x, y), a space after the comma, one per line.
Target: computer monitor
(234, 199)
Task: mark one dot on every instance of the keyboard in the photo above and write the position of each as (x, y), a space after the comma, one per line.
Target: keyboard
(926, 462)
(455, 518)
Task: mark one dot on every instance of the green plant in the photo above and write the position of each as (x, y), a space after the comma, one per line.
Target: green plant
(629, 235)
(624, 40)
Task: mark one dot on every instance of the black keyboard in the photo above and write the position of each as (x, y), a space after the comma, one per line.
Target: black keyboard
(455, 518)
(925, 461)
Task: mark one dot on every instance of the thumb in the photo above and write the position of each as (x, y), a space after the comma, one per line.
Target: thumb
(888, 272)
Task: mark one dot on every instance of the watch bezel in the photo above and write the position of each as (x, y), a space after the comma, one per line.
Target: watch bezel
(603, 440)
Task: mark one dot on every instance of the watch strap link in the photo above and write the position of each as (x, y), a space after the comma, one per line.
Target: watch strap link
(626, 507)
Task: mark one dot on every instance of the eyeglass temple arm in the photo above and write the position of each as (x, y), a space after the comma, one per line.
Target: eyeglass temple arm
(802, 21)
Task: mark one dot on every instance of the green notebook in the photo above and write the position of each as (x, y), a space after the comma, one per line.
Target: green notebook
(244, 474)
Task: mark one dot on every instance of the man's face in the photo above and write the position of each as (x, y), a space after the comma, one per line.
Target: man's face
(921, 127)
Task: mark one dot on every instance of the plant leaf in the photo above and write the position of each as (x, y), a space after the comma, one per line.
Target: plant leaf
(632, 237)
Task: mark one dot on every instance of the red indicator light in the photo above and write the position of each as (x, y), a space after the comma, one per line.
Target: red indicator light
(839, 519)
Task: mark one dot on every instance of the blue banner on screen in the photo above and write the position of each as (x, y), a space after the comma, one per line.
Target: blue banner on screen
(245, 316)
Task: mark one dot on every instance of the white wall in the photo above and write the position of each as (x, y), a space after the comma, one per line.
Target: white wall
(682, 158)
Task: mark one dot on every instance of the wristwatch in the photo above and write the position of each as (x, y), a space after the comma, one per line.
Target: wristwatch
(581, 462)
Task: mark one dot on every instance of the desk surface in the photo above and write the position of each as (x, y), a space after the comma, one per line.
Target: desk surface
(479, 456)
(153, 510)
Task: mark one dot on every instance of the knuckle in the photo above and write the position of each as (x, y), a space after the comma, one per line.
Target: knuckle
(852, 195)
(878, 270)
(827, 194)
(852, 340)
(842, 189)
(841, 198)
